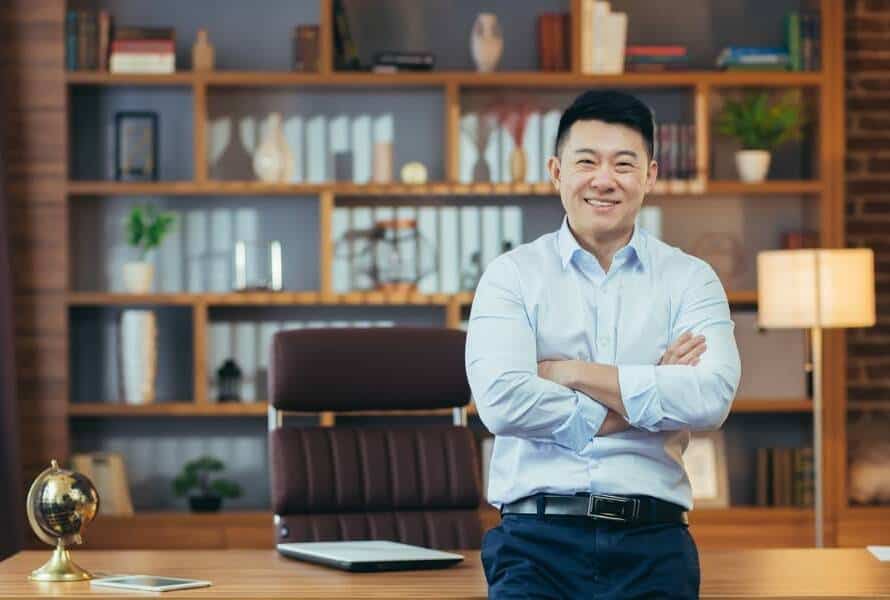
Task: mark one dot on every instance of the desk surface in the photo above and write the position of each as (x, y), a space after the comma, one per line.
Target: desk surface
(257, 574)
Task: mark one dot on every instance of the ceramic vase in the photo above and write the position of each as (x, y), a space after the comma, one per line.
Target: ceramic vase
(518, 163)
(273, 160)
(138, 277)
(202, 52)
(752, 165)
(486, 42)
(138, 355)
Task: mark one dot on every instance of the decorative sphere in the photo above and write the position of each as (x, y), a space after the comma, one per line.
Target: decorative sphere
(61, 503)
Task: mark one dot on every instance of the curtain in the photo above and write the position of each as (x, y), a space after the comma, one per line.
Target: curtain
(11, 505)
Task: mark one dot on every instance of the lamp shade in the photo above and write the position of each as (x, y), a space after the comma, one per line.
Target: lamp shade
(816, 288)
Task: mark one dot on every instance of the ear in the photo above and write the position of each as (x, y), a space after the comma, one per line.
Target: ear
(553, 167)
(651, 176)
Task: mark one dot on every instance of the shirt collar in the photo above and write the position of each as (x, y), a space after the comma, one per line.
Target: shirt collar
(568, 245)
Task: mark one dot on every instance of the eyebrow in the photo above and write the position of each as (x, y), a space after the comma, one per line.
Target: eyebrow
(629, 153)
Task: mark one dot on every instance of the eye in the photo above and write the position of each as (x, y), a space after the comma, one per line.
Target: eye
(585, 161)
(625, 165)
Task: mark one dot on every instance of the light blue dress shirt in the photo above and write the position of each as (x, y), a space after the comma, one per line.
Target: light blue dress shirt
(549, 300)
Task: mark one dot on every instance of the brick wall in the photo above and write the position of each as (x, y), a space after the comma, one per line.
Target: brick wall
(868, 186)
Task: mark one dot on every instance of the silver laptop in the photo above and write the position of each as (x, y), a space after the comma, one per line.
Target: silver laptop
(369, 555)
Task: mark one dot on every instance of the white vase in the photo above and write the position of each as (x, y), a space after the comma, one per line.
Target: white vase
(752, 165)
(138, 276)
(273, 160)
(138, 355)
(486, 42)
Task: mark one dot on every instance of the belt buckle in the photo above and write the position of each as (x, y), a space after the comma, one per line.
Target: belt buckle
(613, 508)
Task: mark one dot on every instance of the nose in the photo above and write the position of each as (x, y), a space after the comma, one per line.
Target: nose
(601, 180)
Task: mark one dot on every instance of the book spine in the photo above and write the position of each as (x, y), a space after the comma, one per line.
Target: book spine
(541, 34)
(143, 46)
(565, 41)
(83, 61)
(104, 39)
(71, 40)
(792, 39)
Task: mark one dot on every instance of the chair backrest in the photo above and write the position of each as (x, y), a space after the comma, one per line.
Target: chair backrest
(417, 484)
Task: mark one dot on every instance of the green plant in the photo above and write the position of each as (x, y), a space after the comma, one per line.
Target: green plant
(196, 474)
(146, 228)
(759, 124)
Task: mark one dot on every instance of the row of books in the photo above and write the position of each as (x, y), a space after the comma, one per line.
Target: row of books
(649, 59)
(675, 151)
(603, 37)
(785, 477)
(803, 35)
(93, 43)
(463, 241)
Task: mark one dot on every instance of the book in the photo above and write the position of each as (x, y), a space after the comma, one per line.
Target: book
(345, 50)
(307, 51)
(104, 40)
(71, 54)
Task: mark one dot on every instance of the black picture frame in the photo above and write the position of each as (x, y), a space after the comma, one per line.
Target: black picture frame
(136, 146)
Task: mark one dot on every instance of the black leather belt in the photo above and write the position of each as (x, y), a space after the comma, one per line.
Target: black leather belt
(637, 510)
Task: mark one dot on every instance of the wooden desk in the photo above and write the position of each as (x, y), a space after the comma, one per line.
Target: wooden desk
(261, 574)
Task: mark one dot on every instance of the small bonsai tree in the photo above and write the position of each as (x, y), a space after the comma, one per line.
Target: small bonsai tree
(146, 228)
(196, 475)
(759, 124)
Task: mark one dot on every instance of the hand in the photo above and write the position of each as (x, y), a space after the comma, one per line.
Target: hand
(686, 350)
(557, 371)
(614, 423)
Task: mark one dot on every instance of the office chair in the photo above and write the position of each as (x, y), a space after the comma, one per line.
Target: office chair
(414, 484)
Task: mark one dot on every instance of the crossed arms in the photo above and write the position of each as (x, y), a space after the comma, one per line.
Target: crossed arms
(570, 402)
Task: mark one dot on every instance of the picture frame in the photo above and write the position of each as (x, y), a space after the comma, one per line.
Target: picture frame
(136, 146)
(705, 461)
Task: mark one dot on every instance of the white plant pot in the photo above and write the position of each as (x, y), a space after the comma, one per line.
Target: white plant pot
(138, 355)
(752, 165)
(486, 42)
(138, 277)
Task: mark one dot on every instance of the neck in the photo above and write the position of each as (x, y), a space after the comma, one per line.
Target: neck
(603, 246)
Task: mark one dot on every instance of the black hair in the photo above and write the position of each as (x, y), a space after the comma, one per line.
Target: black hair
(609, 106)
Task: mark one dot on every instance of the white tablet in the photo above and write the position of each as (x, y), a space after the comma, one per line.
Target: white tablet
(149, 583)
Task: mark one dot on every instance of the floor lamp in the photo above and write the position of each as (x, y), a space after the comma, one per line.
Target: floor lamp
(815, 289)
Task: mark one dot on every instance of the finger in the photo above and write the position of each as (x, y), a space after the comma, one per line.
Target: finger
(688, 345)
(696, 351)
(678, 343)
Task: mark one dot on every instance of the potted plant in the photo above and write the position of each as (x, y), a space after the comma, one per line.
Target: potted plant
(195, 474)
(145, 230)
(760, 126)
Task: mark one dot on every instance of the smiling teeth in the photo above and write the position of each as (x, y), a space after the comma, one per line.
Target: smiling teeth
(599, 203)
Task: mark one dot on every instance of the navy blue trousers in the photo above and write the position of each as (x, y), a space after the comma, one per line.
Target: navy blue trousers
(527, 556)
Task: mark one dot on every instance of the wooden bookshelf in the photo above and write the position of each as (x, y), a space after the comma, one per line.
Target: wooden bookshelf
(735, 526)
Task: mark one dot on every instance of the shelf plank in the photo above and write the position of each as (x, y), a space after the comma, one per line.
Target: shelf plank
(343, 189)
(258, 409)
(772, 405)
(180, 78)
(766, 188)
(522, 79)
(743, 297)
(167, 409)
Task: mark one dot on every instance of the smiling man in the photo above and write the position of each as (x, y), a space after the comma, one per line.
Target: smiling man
(592, 352)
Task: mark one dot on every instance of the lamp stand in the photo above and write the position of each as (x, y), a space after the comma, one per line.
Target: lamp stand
(818, 500)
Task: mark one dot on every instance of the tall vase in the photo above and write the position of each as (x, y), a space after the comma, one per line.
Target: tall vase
(138, 355)
(518, 163)
(273, 160)
(486, 42)
(202, 53)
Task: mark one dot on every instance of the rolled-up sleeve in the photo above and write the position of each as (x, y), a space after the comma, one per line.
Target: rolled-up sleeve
(501, 361)
(698, 398)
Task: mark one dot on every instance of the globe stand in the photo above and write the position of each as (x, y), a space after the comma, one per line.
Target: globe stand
(60, 567)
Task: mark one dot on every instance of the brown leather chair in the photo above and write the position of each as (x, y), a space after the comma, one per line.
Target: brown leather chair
(413, 484)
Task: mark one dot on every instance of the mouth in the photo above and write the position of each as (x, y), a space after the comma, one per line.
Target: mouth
(600, 203)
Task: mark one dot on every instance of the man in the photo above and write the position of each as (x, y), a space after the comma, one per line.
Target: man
(591, 354)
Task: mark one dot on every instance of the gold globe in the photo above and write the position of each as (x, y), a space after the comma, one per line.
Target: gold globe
(61, 504)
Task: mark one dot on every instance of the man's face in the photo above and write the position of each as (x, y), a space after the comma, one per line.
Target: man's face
(603, 174)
